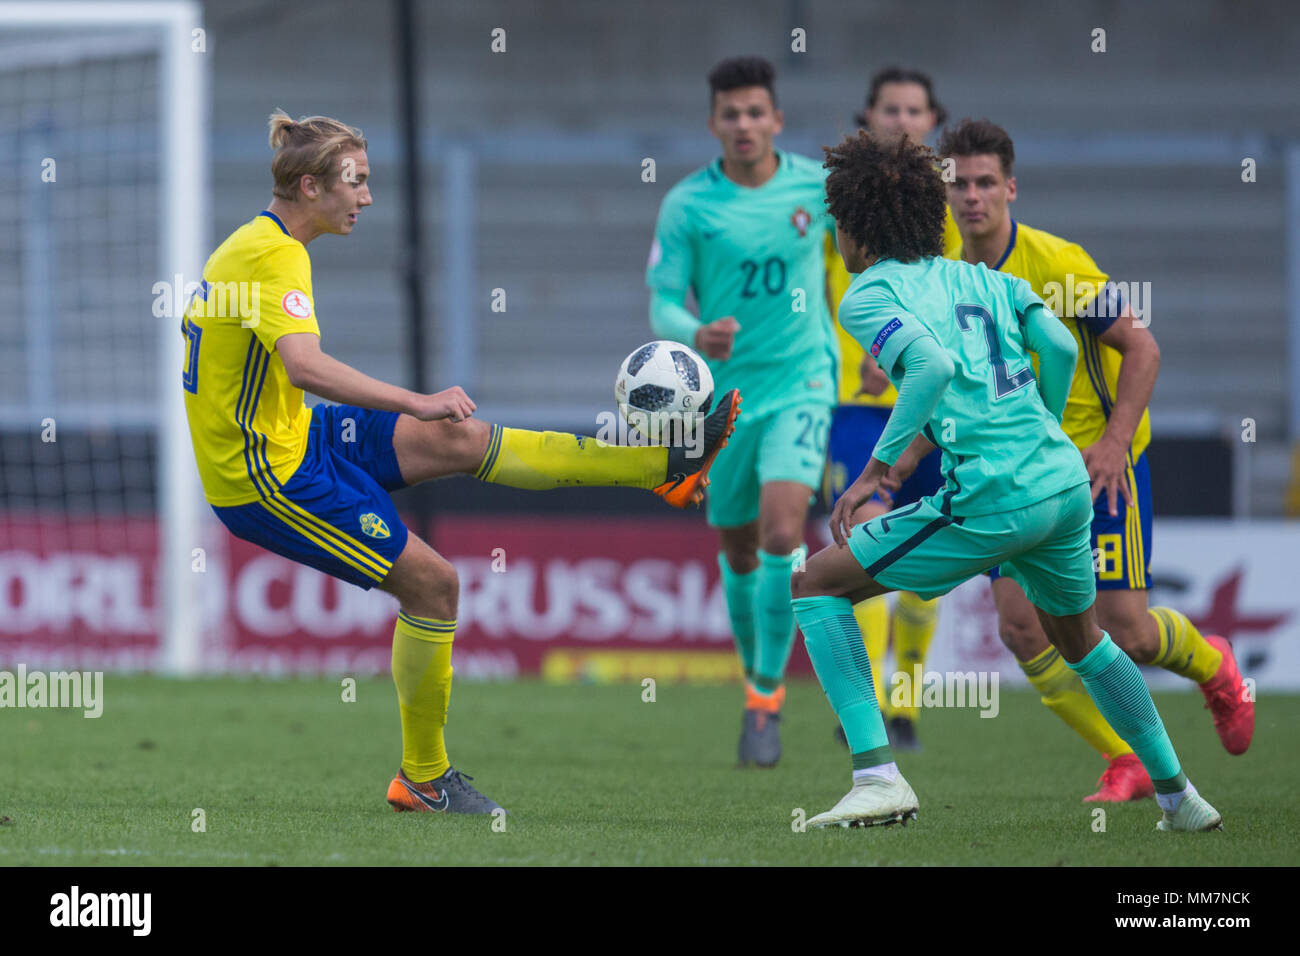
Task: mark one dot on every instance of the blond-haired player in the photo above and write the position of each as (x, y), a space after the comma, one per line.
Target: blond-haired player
(313, 484)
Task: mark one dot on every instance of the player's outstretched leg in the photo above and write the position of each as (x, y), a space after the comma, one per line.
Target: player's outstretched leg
(1116, 686)
(426, 782)
(824, 595)
(539, 461)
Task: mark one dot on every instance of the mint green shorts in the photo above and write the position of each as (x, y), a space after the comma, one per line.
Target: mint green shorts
(1045, 547)
(784, 445)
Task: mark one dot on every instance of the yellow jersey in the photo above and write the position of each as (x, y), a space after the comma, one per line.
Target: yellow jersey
(1069, 282)
(837, 283)
(248, 422)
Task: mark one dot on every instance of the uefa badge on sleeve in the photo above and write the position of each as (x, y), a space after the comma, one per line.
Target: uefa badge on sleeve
(296, 304)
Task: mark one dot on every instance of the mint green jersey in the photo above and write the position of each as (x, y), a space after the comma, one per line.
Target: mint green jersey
(756, 254)
(1002, 448)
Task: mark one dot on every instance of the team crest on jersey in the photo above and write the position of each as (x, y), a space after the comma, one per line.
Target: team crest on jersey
(296, 304)
(801, 220)
(373, 525)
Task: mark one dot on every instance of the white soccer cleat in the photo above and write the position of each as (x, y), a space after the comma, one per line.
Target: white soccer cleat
(873, 801)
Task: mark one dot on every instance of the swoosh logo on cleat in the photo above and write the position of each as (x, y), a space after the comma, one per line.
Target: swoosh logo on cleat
(437, 806)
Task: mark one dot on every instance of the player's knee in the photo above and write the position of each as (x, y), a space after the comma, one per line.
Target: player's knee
(433, 588)
(802, 584)
(1130, 634)
(464, 443)
(781, 540)
(741, 557)
(1023, 638)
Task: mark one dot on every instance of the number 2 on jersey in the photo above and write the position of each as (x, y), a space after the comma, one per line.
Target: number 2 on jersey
(190, 377)
(1004, 383)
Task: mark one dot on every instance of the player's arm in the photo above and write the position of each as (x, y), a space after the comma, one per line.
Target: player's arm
(284, 322)
(1047, 336)
(669, 274)
(926, 371)
(1107, 458)
(873, 379)
(313, 371)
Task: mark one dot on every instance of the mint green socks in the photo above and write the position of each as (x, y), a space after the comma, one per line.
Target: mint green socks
(1116, 686)
(773, 618)
(738, 589)
(834, 642)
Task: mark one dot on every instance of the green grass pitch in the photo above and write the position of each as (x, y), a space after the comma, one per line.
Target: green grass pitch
(287, 773)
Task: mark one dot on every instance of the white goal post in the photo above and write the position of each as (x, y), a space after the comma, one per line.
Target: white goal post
(48, 34)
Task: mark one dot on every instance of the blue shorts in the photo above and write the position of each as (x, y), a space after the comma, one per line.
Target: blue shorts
(335, 513)
(1121, 546)
(855, 429)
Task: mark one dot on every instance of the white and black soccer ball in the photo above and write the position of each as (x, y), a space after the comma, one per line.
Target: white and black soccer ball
(661, 382)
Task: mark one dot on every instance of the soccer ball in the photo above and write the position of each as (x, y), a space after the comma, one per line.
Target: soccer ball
(662, 383)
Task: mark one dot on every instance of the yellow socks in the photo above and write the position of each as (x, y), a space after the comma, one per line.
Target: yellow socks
(422, 673)
(913, 622)
(540, 461)
(1063, 693)
(1182, 648)
(873, 620)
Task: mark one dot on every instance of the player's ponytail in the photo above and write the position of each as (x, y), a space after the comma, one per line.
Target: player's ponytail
(307, 147)
(281, 124)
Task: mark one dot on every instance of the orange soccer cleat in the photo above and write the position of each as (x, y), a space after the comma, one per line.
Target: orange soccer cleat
(688, 477)
(450, 793)
(1227, 699)
(1125, 779)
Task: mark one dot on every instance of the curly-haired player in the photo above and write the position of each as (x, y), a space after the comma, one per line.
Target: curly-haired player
(900, 102)
(955, 340)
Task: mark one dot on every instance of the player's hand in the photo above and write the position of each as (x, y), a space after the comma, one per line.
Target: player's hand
(714, 339)
(874, 380)
(842, 516)
(900, 471)
(1107, 464)
(450, 403)
(891, 483)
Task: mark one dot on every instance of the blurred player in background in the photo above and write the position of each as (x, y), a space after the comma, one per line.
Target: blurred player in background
(746, 235)
(1106, 417)
(955, 339)
(900, 102)
(313, 484)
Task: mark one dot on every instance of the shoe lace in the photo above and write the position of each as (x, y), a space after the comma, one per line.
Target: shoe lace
(460, 781)
(458, 778)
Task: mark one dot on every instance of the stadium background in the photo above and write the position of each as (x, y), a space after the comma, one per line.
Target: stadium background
(532, 184)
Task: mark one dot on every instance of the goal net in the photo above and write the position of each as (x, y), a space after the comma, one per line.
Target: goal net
(103, 175)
